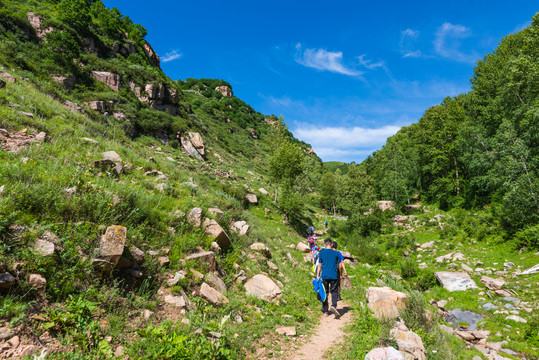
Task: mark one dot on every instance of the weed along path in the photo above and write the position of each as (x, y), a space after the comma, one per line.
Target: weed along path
(328, 333)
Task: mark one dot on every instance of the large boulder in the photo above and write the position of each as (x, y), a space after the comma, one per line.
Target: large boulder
(216, 233)
(240, 227)
(205, 259)
(6, 280)
(385, 302)
(385, 353)
(109, 79)
(113, 156)
(194, 217)
(303, 247)
(216, 282)
(194, 145)
(111, 246)
(262, 287)
(408, 342)
(212, 295)
(455, 281)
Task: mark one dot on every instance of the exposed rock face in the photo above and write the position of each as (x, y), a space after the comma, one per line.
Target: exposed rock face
(386, 353)
(36, 22)
(194, 145)
(216, 233)
(151, 54)
(303, 247)
(73, 106)
(194, 217)
(88, 44)
(492, 284)
(98, 105)
(204, 257)
(13, 142)
(212, 295)
(7, 77)
(251, 198)
(109, 79)
(67, 82)
(262, 287)
(111, 246)
(386, 205)
(261, 248)
(240, 227)
(224, 90)
(408, 342)
(385, 302)
(455, 281)
(156, 93)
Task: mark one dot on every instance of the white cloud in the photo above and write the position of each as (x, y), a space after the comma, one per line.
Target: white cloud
(447, 42)
(369, 64)
(345, 137)
(407, 43)
(171, 56)
(323, 60)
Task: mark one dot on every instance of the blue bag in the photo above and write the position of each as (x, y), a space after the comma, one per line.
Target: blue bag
(318, 286)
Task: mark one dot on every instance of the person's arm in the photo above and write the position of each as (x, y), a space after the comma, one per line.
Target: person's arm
(318, 269)
(343, 269)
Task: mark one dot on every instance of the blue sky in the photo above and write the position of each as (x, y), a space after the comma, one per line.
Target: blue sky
(344, 74)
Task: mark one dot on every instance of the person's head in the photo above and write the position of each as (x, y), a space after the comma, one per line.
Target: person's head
(334, 245)
(328, 243)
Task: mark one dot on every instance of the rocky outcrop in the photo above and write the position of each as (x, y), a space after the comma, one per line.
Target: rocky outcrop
(68, 82)
(194, 145)
(216, 233)
(262, 287)
(386, 205)
(99, 105)
(240, 227)
(409, 343)
(212, 295)
(153, 58)
(111, 248)
(225, 90)
(35, 22)
(109, 79)
(385, 302)
(13, 142)
(385, 353)
(455, 281)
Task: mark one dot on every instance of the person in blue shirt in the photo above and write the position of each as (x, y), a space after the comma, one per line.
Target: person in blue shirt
(328, 269)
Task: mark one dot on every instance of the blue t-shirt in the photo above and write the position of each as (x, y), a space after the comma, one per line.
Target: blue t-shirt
(329, 259)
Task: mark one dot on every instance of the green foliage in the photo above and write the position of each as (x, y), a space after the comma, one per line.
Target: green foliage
(286, 164)
(77, 314)
(408, 268)
(75, 13)
(528, 237)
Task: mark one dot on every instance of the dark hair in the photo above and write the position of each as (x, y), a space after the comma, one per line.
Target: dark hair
(334, 245)
(328, 242)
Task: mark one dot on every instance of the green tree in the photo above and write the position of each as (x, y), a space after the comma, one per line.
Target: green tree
(75, 13)
(328, 191)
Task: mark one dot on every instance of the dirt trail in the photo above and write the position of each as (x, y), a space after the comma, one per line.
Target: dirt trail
(329, 332)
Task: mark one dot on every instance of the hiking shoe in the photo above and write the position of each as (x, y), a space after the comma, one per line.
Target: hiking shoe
(326, 314)
(335, 312)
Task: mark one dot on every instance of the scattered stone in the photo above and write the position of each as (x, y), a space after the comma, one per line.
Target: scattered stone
(177, 301)
(111, 246)
(263, 191)
(427, 245)
(251, 198)
(509, 352)
(291, 258)
(215, 247)
(194, 217)
(489, 306)
(113, 156)
(441, 304)
(516, 318)
(466, 268)
(272, 266)
(215, 232)
(7, 77)
(385, 302)
(408, 342)
(262, 287)
(303, 247)
(194, 145)
(212, 295)
(508, 265)
(43, 247)
(532, 270)
(240, 227)
(492, 284)
(286, 330)
(163, 261)
(455, 281)
(386, 353)
(259, 247)
(68, 82)
(38, 282)
(215, 282)
(137, 254)
(6, 280)
(216, 212)
(204, 257)
(457, 317)
(512, 299)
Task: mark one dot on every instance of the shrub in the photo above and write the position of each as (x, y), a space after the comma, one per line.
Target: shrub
(529, 237)
(408, 268)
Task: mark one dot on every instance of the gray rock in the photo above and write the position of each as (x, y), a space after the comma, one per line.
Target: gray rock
(43, 248)
(509, 352)
(251, 198)
(455, 281)
(385, 302)
(516, 318)
(532, 270)
(261, 248)
(240, 227)
(212, 295)
(386, 353)
(111, 246)
(457, 316)
(510, 306)
(512, 299)
(216, 233)
(215, 281)
(489, 306)
(203, 257)
(262, 287)
(6, 280)
(408, 342)
(194, 217)
(113, 156)
(286, 330)
(177, 301)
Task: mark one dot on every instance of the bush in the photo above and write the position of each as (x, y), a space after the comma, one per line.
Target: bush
(408, 268)
(529, 237)
(425, 279)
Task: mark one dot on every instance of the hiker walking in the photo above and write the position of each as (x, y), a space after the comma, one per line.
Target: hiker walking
(342, 269)
(310, 231)
(326, 224)
(328, 269)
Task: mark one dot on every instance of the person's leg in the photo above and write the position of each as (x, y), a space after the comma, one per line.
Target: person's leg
(339, 289)
(325, 304)
(333, 288)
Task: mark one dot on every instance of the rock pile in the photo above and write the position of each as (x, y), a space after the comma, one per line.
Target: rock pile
(13, 142)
